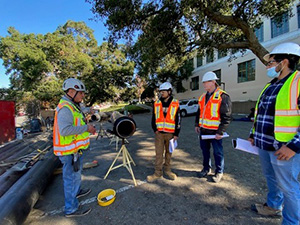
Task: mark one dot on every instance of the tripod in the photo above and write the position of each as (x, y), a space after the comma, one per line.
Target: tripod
(126, 161)
(101, 132)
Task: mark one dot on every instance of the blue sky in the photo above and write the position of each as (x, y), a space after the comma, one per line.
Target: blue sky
(43, 16)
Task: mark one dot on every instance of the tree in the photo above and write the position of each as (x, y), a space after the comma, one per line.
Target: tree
(112, 73)
(38, 64)
(181, 26)
(140, 84)
(49, 92)
(23, 58)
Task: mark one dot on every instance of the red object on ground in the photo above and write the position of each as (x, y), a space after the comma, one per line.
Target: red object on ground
(7, 121)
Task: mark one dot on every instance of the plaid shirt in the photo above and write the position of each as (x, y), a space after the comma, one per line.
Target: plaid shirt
(264, 124)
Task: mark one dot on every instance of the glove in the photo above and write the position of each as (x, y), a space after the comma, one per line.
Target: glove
(76, 162)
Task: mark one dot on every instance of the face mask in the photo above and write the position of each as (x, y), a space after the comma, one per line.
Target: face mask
(271, 72)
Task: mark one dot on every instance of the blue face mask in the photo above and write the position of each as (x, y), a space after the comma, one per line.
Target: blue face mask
(271, 72)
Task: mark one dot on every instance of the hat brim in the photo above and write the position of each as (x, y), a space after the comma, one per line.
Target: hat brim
(267, 57)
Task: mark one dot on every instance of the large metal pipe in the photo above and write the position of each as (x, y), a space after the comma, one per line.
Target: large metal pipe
(17, 202)
(124, 127)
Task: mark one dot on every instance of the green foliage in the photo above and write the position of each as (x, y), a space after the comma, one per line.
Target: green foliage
(174, 29)
(39, 64)
(49, 92)
(111, 75)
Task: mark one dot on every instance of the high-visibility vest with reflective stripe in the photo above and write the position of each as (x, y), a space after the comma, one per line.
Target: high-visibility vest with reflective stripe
(287, 114)
(66, 145)
(166, 124)
(210, 112)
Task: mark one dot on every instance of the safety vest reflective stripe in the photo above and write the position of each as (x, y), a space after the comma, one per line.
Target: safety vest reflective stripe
(292, 112)
(294, 91)
(172, 113)
(157, 112)
(73, 145)
(214, 109)
(211, 123)
(166, 125)
(286, 129)
(55, 132)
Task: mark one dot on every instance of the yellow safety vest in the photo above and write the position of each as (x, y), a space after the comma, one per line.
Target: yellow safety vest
(66, 145)
(287, 114)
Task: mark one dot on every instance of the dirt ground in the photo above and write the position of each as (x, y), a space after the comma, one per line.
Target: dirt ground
(187, 200)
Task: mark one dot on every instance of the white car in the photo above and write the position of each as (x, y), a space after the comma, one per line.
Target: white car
(188, 106)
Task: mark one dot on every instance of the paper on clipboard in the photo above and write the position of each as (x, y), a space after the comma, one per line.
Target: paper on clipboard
(244, 145)
(172, 145)
(205, 137)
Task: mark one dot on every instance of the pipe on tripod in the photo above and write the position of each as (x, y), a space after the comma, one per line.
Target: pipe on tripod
(17, 202)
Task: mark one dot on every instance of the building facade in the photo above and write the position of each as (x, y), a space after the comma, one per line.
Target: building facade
(245, 76)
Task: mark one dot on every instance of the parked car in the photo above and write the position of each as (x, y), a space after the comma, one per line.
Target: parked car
(188, 106)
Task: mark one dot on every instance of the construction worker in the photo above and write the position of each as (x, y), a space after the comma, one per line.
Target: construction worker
(277, 135)
(212, 118)
(166, 125)
(70, 137)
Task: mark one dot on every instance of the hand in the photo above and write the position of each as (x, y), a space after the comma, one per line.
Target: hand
(91, 129)
(197, 130)
(284, 153)
(156, 132)
(251, 141)
(175, 138)
(218, 136)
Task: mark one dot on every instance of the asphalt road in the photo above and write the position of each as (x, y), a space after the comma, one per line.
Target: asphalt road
(187, 200)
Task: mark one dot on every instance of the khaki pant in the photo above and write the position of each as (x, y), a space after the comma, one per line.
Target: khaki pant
(161, 147)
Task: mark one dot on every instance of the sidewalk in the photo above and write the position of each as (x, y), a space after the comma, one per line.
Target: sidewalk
(187, 200)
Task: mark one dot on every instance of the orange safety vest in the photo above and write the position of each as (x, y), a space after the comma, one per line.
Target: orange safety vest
(166, 124)
(210, 112)
(66, 145)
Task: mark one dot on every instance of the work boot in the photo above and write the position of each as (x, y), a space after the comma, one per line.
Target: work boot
(203, 173)
(265, 210)
(171, 175)
(153, 177)
(217, 177)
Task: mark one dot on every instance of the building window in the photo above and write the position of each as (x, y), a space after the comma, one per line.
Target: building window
(222, 53)
(259, 32)
(279, 25)
(298, 11)
(199, 60)
(218, 73)
(209, 56)
(195, 83)
(246, 71)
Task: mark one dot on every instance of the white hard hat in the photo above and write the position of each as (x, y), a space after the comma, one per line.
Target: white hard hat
(288, 48)
(209, 76)
(74, 84)
(165, 86)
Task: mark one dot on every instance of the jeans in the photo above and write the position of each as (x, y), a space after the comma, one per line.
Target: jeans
(218, 154)
(283, 185)
(72, 181)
